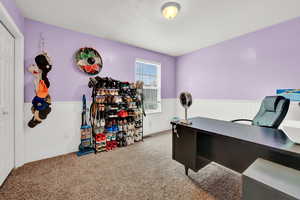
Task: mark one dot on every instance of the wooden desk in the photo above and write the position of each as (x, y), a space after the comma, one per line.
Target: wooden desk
(232, 145)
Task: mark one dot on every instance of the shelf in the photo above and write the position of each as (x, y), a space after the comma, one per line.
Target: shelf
(112, 108)
(112, 89)
(107, 95)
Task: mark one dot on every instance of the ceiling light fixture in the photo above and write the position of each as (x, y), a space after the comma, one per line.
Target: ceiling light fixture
(170, 10)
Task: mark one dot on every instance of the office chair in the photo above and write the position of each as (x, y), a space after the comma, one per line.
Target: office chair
(271, 113)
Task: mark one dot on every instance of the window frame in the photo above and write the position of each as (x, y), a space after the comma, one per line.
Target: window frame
(158, 87)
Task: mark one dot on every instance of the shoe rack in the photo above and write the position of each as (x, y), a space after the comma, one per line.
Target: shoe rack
(116, 113)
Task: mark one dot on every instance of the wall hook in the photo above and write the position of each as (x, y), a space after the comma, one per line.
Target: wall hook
(42, 43)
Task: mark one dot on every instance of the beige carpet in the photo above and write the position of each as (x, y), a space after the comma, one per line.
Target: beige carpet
(142, 171)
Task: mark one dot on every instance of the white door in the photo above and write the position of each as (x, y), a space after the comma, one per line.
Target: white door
(6, 103)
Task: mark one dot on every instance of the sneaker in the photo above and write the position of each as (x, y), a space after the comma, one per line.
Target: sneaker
(32, 123)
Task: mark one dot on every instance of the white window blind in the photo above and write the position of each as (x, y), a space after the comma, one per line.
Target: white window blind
(149, 72)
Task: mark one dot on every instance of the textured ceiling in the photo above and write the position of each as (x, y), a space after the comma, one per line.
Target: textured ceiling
(139, 22)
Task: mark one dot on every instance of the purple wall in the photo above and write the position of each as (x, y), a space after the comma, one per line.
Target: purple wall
(247, 67)
(67, 82)
(14, 12)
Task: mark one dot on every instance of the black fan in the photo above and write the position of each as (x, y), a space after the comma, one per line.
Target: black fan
(186, 101)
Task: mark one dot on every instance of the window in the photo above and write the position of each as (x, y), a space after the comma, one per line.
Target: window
(149, 73)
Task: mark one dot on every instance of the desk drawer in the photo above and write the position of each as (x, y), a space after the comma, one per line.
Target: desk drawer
(184, 149)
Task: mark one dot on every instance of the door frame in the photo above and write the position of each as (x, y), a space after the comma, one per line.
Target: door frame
(19, 138)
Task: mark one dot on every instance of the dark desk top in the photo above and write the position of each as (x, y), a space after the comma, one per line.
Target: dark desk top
(269, 137)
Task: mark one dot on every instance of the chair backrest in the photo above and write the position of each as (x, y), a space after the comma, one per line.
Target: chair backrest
(272, 111)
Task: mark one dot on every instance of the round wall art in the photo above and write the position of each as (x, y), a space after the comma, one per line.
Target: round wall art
(89, 60)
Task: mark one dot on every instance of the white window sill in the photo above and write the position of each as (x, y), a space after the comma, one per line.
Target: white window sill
(149, 112)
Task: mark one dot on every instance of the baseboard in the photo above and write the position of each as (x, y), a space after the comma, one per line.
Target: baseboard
(158, 133)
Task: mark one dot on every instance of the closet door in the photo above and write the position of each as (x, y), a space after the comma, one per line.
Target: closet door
(6, 103)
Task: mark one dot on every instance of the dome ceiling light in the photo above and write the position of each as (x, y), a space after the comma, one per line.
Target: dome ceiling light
(170, 10)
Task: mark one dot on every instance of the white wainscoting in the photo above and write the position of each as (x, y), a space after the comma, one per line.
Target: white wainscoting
(233, 109)
(60, 133)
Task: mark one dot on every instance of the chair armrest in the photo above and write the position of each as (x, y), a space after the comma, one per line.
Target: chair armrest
(240, 120)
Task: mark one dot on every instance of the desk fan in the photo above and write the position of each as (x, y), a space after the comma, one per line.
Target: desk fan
(186, 101)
